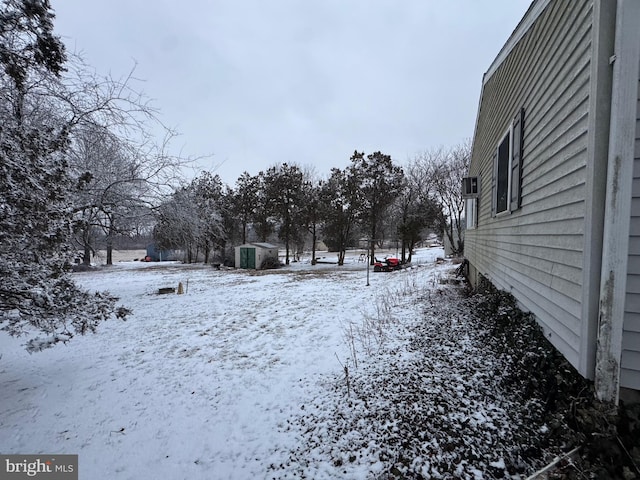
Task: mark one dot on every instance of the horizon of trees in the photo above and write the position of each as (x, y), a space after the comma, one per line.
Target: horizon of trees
(368, 203)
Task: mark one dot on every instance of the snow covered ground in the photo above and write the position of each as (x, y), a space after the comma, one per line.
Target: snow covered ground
(202, 385)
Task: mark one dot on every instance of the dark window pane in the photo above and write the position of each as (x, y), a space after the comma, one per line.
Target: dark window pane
(502, 189)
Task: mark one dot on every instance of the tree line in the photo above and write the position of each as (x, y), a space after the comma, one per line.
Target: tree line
(372, 200)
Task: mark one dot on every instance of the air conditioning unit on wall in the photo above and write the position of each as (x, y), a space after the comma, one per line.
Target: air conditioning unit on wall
(470, 187)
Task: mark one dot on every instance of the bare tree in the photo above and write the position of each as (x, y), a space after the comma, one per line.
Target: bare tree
(178, 224)
(442, 171)
(118, 181)
(416, 210)
(44, 99)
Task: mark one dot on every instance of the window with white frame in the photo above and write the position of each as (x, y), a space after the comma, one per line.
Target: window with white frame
(507, 168)
(471, 212)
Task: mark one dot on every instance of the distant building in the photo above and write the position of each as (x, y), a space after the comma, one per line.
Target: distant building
(553, 208)
(154, 254)
(252, 255)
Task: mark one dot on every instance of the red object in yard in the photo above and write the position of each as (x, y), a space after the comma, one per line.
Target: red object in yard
(389, 264)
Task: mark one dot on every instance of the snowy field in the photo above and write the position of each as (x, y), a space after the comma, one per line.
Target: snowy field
(202, 385)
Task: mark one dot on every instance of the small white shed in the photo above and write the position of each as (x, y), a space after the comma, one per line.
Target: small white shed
(251, 255)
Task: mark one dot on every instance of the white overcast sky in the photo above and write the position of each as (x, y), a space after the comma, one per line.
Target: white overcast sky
(253, 83)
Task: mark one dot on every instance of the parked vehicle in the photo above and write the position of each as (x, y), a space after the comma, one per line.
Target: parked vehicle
(389, 264)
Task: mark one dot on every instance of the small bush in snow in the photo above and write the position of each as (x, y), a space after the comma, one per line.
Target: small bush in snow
(269, 263)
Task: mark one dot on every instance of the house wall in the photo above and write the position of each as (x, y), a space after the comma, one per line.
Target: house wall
(537, 252)
(630, 359)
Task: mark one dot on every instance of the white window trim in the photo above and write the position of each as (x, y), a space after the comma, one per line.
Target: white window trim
(471, 213)
(508, 132)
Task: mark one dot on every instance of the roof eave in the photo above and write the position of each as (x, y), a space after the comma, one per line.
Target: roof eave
(531, 15)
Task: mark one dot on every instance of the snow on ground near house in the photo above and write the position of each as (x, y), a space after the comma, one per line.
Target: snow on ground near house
(201, 385)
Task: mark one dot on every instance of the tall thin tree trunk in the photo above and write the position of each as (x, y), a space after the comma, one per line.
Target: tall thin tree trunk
(110, 245)
(286, 240)
(86, 257)
(372, 260)
(313, 245)
(86, 239)
(286, 248)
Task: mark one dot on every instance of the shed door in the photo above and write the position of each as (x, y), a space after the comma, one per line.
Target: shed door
(247, 257)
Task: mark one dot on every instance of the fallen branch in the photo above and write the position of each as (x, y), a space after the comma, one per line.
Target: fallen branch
(553, 464)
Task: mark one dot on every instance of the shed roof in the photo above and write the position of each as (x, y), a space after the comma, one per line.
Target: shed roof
(264, 245)
(259, 245)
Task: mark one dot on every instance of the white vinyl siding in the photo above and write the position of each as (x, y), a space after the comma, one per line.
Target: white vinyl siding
(630, 361)
(536, 252)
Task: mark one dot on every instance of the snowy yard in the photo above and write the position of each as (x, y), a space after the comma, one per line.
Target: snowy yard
(201, 385)
(302, 372)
